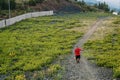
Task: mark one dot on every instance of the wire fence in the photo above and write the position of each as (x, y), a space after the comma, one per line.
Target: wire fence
(8, 22)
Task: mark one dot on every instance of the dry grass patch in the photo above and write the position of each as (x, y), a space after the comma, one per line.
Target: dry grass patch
(86, 25)
(103, 30)
(78, 29)
(104, 45)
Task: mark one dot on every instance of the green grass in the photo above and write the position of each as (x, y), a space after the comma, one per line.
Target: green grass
(104, 45)
(35, 43)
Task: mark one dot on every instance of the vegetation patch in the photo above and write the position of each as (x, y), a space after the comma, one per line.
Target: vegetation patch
(34, 44)
(104, 45)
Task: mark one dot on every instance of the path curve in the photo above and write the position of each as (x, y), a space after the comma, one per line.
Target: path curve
(85, 70)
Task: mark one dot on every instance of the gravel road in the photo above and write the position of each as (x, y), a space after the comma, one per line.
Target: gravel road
(85, 70)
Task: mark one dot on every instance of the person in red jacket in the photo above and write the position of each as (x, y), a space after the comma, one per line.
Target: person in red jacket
(77, 52)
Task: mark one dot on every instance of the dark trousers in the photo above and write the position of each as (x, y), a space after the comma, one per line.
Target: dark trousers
(78, 57)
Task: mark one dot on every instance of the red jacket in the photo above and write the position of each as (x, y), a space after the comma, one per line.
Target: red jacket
(77, 51)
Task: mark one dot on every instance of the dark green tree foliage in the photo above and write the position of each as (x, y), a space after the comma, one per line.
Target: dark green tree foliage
(67, 0)
(39, 1)
(34, 2)
(102, 6)
(82, 3)
(4, 4)
(13, 4)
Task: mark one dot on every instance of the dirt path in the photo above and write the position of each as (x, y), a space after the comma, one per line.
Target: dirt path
(85, 70)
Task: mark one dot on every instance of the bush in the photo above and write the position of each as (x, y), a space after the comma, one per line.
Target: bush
(39, 1)
(4, 4)
(32, 3)
(117, 72)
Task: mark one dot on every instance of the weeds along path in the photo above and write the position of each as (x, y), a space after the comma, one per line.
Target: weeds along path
(85, 70)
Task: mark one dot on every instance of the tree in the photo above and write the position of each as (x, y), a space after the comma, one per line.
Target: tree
(82, 3)
(12, 4)
(32, 2)
(102, 6)
(4, 4)
(39, 1)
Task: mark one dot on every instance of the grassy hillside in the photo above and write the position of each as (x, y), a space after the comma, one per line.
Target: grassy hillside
(29, 48)
(104, 45)
(23, 6)
(58, 6)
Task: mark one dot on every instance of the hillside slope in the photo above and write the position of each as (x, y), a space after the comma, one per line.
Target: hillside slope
(57, 6)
